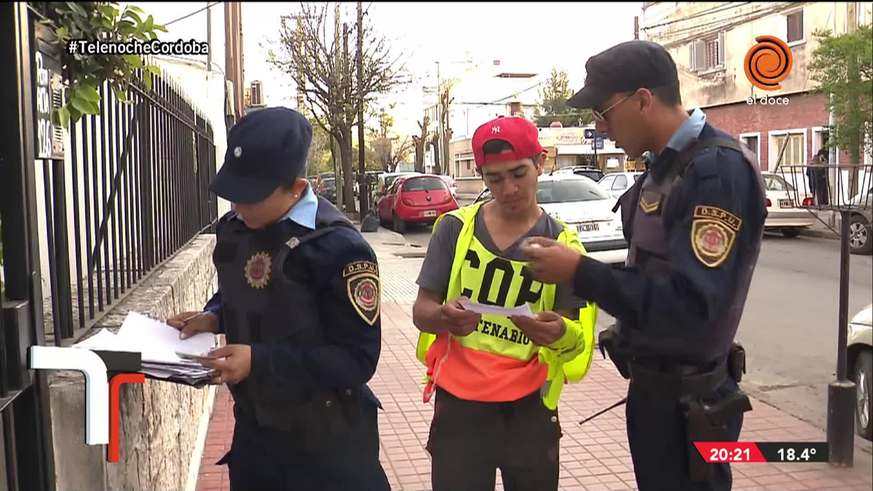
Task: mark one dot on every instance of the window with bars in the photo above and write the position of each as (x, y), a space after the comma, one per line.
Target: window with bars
(751, 142)
(707, 53)
(794, 150)
(794, 28)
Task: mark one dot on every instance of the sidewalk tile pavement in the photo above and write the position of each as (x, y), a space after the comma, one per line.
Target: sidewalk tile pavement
(594, 456)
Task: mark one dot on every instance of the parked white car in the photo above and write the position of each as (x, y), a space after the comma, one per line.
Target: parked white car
(860, 361)
(384, 181)
(782, 214)
(616, 183)
(580, 202)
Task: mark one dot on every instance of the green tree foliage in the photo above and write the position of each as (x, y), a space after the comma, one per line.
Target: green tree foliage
(843, 67)
(85, 73)
(553, 99)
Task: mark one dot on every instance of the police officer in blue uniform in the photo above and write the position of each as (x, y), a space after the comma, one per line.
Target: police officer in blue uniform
(694, 224)
(298, 300)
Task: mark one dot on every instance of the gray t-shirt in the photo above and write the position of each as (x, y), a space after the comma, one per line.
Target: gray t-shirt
(437, 265)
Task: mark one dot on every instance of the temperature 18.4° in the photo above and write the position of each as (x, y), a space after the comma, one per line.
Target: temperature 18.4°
(794, 451)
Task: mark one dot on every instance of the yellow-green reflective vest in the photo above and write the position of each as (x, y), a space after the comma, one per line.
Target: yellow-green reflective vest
(560, 370)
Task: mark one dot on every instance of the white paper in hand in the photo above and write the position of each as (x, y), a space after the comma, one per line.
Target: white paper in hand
(521, 310)
(159, 342)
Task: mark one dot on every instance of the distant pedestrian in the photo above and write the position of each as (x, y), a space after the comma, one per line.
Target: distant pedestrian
(817, 172)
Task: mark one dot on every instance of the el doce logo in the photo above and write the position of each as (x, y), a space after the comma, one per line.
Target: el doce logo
(768, 62)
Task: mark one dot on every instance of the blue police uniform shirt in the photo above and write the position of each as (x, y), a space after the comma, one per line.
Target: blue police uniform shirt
(303, 212)
(689, 130)
(352, 345)
(679, 302)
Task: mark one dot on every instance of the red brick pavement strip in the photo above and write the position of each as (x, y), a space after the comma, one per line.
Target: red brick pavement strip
(594, 456)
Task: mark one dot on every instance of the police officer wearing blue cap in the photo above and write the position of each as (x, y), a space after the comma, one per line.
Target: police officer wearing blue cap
(298, 299)
(694, 223)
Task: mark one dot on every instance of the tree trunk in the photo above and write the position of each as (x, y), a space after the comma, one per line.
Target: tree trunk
(336, 174)
(346, 161)
(437, 169)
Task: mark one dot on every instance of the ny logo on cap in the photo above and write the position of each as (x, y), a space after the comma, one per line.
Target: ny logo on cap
(495, 129)
(237, 152)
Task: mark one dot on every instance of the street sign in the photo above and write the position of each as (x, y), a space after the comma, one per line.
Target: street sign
(589, 133)
(598, 143)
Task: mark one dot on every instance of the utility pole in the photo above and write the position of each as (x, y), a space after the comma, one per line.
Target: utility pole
(208, 39)
(363, 188)
(348, 192)
(439, 119)
(842, 391)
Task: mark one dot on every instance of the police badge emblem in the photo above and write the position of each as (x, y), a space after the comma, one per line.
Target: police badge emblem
(713, 232)
(362, 284)
(257, 270)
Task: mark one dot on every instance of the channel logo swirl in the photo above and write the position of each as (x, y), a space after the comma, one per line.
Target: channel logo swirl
(768, 62)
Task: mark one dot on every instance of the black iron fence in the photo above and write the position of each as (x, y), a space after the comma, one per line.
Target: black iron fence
(130, 193)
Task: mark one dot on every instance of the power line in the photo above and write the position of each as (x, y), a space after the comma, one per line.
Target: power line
(713, 10)
(716, 25)
(192, 13)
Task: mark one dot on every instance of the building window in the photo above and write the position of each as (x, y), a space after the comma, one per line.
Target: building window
(794, 27)
(794, 153)
(707, 53)
(751, 141)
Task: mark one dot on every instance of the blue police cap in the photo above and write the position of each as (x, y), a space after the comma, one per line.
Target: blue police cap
(265, 149)
(625, 67)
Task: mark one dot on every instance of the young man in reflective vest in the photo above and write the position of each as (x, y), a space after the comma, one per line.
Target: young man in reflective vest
(497, 378)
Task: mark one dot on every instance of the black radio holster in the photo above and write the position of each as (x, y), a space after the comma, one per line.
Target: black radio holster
(609, 344)
(736, 362)
(706, 423)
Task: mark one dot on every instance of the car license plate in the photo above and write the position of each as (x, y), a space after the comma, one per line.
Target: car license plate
(429, 213)
(786, 203)
(588, 227)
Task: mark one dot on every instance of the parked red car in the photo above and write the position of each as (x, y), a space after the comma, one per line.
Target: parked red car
(415, 199)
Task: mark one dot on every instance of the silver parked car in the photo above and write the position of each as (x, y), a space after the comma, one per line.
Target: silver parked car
(861, 223)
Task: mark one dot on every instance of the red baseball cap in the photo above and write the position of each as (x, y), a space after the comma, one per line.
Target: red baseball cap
(520, 133)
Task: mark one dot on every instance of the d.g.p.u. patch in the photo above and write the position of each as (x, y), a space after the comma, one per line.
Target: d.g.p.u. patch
(362, 285)
(713, 234)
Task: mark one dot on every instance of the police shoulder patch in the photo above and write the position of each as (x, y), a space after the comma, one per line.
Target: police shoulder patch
(362, 287)
(713, 233)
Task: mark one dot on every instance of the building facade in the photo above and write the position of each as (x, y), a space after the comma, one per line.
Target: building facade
(709, 42)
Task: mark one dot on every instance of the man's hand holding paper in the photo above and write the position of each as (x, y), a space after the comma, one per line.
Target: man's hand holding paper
(544, 329)
(459, 320)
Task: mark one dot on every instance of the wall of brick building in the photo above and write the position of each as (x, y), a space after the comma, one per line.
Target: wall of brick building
(806, 111)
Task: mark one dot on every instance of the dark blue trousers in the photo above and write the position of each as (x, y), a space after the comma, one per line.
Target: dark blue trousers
(659, 446)
(262, 459)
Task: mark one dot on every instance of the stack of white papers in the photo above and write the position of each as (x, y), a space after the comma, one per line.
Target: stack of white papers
(521, 311)
(159, 344)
